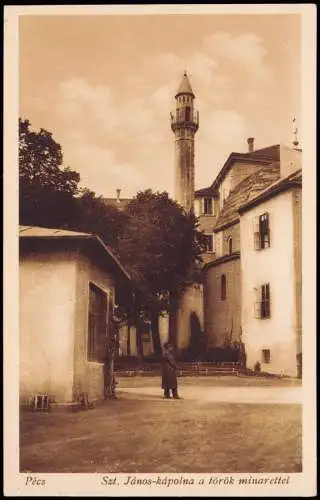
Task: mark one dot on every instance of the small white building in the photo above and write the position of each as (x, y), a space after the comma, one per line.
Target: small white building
(69, 283)
(270, 238)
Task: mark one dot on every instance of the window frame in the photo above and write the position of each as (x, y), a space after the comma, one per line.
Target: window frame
(207, 236)
(261, 231)
(208, 200)
(95, 348)
(266, 356)
(263, 305)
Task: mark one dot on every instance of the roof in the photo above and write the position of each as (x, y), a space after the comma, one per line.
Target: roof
(120, 203)
(208, 191)
(259, 157)
(245, 191)
(47, 232)
(292, 180)
(185, 86)
(36, 232)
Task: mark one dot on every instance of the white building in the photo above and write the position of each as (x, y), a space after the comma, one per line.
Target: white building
(69, 282)
(270, 240)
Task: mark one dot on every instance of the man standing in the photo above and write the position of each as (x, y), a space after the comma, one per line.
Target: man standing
(169, 372)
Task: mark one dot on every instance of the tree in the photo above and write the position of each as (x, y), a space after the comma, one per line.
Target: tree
(50, 195)
(46, 189)
(159, 245)
(40, 161)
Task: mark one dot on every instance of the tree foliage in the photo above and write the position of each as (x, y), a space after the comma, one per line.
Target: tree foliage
(40, 161)
(159, 244)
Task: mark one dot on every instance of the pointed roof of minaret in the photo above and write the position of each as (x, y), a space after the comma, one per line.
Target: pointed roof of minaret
(185, 86)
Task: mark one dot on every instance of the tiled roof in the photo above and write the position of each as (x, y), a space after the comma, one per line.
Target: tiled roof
(35, 231)
(208, 191)
(271, 153)
(245, 191)
(259, 157)
(294, 179)
(115, 202)
(185, 86)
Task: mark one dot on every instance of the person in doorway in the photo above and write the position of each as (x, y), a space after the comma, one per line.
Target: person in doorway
(169, 372)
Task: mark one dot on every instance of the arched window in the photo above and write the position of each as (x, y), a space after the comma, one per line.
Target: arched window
(223, 287)
(230, 245)
(188, 114)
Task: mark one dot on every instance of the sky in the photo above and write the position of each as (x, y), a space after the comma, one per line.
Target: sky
(104, 85)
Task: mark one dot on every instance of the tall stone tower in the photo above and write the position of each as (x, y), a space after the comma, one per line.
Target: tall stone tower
(184, 123)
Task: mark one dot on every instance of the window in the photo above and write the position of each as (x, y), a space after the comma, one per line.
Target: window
(208, 243)
(230, 245)
(263, 305)
(223, 287)
(262, 231)
(188, 114)
(97, 330)
(266, 356)
(207, 206)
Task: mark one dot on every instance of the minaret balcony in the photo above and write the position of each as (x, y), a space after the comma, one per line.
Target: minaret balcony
(184, 117)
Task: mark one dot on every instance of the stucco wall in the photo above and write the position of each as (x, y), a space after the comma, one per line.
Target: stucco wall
(234, 233)
(88, 375)
(222, 318)
(274, 265)
(47, 307)
(290, 160)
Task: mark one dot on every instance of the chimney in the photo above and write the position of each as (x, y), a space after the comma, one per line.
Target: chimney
(250, 144)
(118, 191)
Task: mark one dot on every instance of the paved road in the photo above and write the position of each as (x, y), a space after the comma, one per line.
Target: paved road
(253, 395)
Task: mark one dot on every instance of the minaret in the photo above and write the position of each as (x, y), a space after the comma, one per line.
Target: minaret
(184, 123)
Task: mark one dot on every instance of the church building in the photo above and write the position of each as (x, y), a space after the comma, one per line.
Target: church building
(250, 215)
(251, 189)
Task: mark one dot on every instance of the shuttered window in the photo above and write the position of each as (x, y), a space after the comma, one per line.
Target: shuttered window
(262, 306)
(207, 206)
(261, 231)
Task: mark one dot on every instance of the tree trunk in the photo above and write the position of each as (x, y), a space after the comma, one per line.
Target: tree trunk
(109, 378)
(155, 333)
(139, 341)
(173, 323)
(128, 340)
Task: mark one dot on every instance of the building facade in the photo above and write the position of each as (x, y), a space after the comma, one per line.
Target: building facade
(271, 277)
(221, 303)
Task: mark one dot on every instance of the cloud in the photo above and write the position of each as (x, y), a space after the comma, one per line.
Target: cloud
(225, 127)
(120, 140)
(245, 50)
